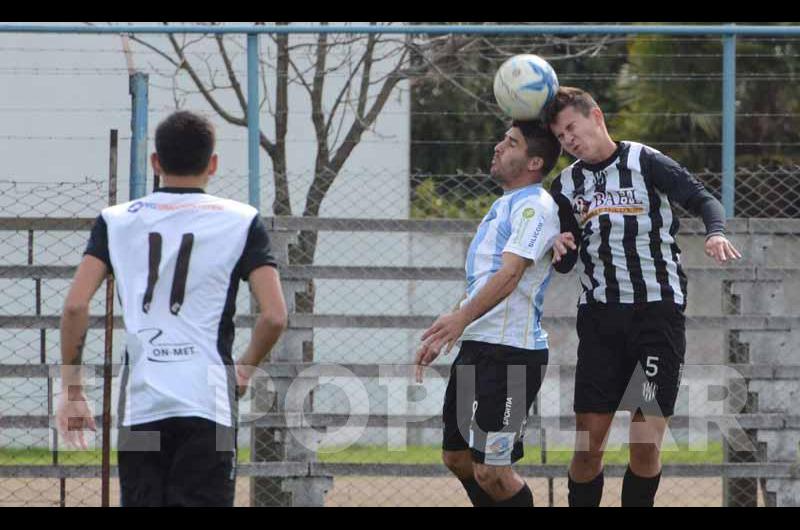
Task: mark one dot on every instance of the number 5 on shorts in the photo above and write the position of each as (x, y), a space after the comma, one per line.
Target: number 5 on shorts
(651, 369)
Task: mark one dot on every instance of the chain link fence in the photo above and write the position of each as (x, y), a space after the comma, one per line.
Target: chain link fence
(374, 285)
(368, 264)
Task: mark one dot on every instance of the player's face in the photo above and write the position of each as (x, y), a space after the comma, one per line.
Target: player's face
(510, 157)
(579, 135)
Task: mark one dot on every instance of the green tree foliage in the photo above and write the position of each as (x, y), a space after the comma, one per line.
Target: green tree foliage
(431, 203)
(665, 91)
(456, 123)
(670, 95)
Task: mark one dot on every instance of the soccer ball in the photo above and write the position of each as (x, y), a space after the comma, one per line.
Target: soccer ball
(523, 85)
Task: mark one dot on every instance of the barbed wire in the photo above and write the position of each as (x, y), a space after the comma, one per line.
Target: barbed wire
(114, 71)
(388, 112)
(553, 40)
(762, 191)
(12, 137)
(198, 55)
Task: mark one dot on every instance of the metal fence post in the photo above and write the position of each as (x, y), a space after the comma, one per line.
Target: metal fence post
(138, 176)
(728, 123)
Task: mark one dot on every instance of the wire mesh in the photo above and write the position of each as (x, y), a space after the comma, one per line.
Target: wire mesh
(425, 158)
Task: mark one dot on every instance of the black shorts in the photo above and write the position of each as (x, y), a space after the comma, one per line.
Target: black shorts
(630, 357)
(191, 463)
(486, 404)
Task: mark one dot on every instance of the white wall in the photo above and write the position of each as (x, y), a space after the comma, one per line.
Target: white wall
(61, 94)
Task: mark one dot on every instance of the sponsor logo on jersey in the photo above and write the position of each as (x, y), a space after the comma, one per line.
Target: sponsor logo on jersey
(624, 201)
(499, 443)
(522, 224)
(139, 205)
(580, 206)
(161, 351)
(536, 234)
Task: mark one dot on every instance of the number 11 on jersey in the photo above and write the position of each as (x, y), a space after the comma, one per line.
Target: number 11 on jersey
(178, 291)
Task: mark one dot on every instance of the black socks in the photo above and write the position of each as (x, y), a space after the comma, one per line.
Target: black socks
(586, 494)
(639, 491)
(476, 494)
(522, 499)
(636, 491)
(479, 498)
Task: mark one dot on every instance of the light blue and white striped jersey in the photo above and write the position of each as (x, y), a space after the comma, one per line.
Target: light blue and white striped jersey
(523, 221)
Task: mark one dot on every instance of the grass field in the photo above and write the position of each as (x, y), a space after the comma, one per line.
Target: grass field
(370, 490)
(378, 454)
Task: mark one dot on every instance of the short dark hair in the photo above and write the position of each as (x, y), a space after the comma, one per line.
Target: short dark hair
(568, 96)
(541, 142)
(184, 143)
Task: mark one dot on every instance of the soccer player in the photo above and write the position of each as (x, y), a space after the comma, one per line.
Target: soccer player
(630, 314)
(177, 256)
(504, 349)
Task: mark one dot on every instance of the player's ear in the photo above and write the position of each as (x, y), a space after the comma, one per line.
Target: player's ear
(156, 164)
(212, 164)
(597, 115)
(535, 163)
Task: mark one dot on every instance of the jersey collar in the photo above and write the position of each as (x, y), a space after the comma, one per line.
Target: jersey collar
(180, 190)
(515, 190)
(605, 163)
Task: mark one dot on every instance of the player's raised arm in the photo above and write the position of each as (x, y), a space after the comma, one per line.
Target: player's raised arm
(446, 330)
(682, 187)
(565, 246)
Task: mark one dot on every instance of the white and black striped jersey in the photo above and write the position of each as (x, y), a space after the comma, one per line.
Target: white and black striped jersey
(177, 256)
(625, 225)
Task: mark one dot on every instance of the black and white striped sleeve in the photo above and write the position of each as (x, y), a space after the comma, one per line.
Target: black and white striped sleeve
(683, 188)
(568, 224)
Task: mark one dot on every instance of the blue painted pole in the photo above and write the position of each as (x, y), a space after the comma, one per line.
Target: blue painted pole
(729, 124)
(253, 127)
(138, 176)
(465, 29)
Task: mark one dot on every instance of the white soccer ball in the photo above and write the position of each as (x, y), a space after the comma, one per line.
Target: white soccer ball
(523, 85)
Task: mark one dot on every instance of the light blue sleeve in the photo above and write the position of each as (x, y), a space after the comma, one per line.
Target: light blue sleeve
(534, 227)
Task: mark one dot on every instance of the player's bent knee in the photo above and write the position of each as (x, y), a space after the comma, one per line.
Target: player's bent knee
(587, 459)
(459, 462)
(645, 454)
(490, 474)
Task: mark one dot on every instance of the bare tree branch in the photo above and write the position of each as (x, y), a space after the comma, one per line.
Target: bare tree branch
(184, 64)
(281, 205)
(301, 77)
(460, 86)
(231, 74)
(149, 46)
(188, 40)
(317, 117)
(325, 176)
(364, 91)
(346, 88)
(265, 100)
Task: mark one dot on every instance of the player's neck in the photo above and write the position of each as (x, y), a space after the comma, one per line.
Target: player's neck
(604, 152)
(521, 183)
(184, 182)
